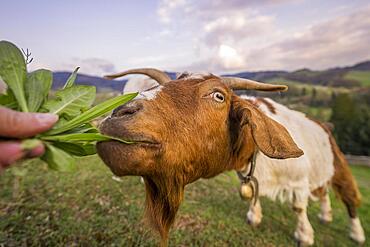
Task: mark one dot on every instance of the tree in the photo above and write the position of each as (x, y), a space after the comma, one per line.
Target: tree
(352, 125)
(313, 96)
(304, 91)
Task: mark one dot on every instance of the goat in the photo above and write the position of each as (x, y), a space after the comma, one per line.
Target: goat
(309, 176)
(190, 128)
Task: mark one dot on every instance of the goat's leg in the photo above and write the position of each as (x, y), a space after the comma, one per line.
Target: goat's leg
(346, 187)
(254, 214)
(304, 232)
(325, 214)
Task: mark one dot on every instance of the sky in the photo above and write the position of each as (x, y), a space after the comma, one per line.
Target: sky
(215, 36)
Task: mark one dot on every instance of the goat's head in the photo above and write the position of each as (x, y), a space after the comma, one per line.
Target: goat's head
(186, 129)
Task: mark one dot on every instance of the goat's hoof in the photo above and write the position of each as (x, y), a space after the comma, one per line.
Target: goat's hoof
(360, 239)
(325, 218)
(252, 223)
(253, 220)
(302, 244)
(357, 233)
(303, 239)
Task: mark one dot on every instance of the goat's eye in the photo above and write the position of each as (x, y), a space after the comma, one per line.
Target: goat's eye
(219, 97)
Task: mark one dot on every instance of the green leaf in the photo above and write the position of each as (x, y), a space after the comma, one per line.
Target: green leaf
(94, 112)
(8, 100)
(91, 130)
(37, 88)
(86, 128)
(71, 79)
(76, 148)
(62, 121)
(57, 159)
(13, 71)
(71, 101)
(30, 144)
(82, 137)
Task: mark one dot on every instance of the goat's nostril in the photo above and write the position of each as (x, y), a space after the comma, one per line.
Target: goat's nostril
(126, 110)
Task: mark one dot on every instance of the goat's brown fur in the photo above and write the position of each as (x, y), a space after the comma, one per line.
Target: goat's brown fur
(188, 135)
(343, 181)
(320, 192)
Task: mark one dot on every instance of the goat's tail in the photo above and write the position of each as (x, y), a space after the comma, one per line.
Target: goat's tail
(343, 181)
(346, 187)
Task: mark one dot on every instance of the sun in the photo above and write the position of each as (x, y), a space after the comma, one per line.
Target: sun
(230, 57)
(226, 51)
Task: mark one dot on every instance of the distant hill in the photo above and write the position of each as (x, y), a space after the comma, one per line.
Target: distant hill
(361, 66)
(260, 75)
(351, 76)
(59, 78)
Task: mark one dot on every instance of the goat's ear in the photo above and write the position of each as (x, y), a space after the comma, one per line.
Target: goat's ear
(270, 137)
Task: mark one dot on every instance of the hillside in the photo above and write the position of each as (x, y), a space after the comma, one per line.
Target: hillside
(59, 78)
(352, 76)
(357, 75)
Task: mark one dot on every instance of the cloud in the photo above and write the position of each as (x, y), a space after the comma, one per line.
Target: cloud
(91, 66)
(254, 40)
(166, 7)
(207, 8)
(339, 41)
(236, 28)
(219, 26)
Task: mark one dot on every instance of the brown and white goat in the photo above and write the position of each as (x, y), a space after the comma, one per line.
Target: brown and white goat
(189, 128)
(296, 180)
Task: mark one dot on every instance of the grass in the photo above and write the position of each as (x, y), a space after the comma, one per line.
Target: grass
(39, 207)
(320, 113)
(361, 76)
(309, 87)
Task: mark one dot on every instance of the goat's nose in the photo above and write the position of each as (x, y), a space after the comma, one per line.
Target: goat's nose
(127, 109)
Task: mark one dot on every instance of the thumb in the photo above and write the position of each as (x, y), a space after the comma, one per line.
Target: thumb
(23, 124)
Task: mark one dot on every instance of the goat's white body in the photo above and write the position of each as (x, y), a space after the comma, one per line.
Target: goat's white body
(147, 88)
(297, 177)
(138, 84)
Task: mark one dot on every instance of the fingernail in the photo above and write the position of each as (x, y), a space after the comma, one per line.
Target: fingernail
(13, 150)
(46, 118)
(38, 151)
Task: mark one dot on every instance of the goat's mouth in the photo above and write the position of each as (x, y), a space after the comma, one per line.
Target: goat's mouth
(135, 159)
(144, 143)
(135, 140)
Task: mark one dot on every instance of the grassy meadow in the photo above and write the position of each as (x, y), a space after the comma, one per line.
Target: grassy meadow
(39, 207)
(362, 76)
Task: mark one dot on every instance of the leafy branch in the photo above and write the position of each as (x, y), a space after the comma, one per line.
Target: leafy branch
(72, 135)
(27, 54)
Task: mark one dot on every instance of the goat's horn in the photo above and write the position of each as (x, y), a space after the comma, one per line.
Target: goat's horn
(160, 76)
(246, 84)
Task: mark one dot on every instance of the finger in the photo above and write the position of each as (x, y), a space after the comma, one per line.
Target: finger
(36, 152)
(10, 152)
(22, 124)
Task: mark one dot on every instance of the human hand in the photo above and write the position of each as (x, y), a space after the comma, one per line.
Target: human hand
(18, 125)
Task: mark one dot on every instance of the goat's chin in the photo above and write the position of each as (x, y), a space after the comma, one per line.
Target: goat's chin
(123, 159)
